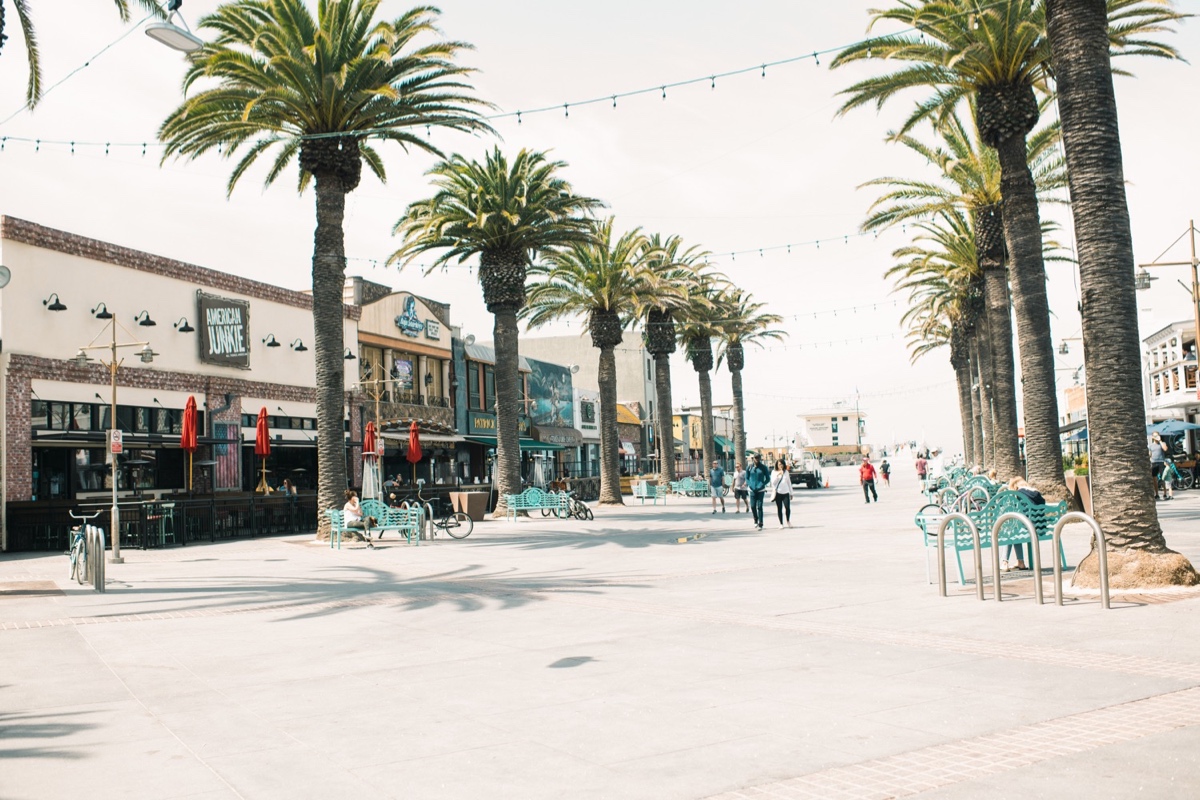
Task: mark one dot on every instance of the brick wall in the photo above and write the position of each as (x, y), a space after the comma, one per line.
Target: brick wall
(30, 233)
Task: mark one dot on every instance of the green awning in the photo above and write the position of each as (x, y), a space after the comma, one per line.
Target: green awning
(526, 444)
(724, 444)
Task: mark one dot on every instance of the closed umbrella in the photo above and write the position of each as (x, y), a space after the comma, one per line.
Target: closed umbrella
(414, 448)
(262, 447)
(187, 435)
(370, 462)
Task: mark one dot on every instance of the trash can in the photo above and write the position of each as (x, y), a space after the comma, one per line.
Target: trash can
(473, 504)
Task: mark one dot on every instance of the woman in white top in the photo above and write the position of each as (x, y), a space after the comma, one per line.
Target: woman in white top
(781, 484)
(352, 516)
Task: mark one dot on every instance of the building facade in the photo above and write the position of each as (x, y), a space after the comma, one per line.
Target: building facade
(840, 429)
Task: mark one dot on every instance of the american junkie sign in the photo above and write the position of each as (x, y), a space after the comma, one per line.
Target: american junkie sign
(224, 330)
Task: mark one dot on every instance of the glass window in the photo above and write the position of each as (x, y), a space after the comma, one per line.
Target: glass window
(125, 418)
(141, 420)
(168, 421)
(310, 424)
(833, 419)
(845, 419)
(60, 416)
(39, 415)
(247, 420)
(1157, 387)
(81, 419)
(473, 401)
(834, 427)
(489, 389)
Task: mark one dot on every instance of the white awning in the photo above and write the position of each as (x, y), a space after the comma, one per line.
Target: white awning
(627, 449)
(426, 438)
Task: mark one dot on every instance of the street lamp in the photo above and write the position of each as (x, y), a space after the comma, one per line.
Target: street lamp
(1143, 278)
(173, 36)
(147, 354)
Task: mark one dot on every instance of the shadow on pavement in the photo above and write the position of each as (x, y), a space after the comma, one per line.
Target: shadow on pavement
(24, 728)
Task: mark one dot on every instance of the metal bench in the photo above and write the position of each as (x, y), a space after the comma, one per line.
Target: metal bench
(691, 487)
(406, 521)
(1043, 518)
(535, 499)
(645, 490)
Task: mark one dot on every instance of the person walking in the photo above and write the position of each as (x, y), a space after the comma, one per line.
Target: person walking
(866, 476)
(739, 489)
(781, 485)
(1158, 463)
(757, 478)
(716, 486)
(922, 472)
(885, 471)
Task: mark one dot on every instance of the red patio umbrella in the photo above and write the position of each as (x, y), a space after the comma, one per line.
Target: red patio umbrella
(262, 447)
(369, 441)
(414, 448)
(187, 436)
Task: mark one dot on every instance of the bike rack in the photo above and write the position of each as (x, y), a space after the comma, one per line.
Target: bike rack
(941, 546)
(1101, 551)
(95, 556)
(1034, 546)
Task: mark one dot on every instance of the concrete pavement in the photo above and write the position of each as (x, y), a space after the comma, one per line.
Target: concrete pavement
(550, 659)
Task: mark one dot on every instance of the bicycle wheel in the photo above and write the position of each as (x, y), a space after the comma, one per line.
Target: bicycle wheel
(545, 512)
(79, 565)
(1186, 480)
(590, 515)
(458, 525)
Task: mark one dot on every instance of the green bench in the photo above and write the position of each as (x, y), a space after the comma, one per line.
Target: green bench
(535, 499)
(959, 536)
(645, 490)
(405, 521)
(691, 487)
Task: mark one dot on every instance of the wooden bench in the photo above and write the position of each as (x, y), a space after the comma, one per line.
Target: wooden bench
(959, 537)
(645, 490)
(406, 521)
(535, 499)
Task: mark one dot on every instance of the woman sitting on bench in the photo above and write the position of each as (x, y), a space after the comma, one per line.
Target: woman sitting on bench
(353, 516)
(1019, 484)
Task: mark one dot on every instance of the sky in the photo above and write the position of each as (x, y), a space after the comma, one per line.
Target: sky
(758, 161)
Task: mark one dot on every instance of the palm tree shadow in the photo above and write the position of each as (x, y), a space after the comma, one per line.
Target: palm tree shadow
(21, 730)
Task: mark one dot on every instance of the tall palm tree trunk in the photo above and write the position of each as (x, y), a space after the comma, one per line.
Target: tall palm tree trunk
(1007, 451)
(1078, 32)
(739, 417)
(986, 405)
(664, 428)
(1027, 270)
(706, 420)
(508, 405)
(328, 281)
(976, 410)
(962, 377)
(610, 457)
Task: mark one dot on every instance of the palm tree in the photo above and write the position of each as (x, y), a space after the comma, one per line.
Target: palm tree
(699, 323)
(317, 90)
(1120, 463)
(998, 54)
(940, 272)
(607, 282)
(33, 88)
(970, 181)
(678, 267)
(745, 324)
(508, 215)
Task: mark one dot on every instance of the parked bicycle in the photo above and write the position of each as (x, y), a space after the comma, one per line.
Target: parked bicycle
(440, 512)
(78, 552)
(1179, 479)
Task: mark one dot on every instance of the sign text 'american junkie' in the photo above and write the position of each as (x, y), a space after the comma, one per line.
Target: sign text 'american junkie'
(224, 330)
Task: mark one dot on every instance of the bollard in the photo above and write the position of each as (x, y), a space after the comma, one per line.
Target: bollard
(941, 546)
(1101, 554)
(1035, 554)
(95, 548)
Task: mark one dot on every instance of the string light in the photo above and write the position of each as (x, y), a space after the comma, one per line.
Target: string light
(519, 114)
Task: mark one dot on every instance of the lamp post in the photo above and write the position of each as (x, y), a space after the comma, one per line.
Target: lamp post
(1143, 278)
(113, 364)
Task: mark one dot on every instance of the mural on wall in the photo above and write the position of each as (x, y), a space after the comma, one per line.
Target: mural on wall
(224, 330)
(407, 322)
(550, 402)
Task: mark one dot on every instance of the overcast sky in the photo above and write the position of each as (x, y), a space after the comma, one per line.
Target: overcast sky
(755, 162)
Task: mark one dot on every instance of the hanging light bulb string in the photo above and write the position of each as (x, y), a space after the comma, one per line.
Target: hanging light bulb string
(565, 107)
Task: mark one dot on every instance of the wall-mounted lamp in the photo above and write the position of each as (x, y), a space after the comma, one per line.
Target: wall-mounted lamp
(470, 340)
(183, 327)
(146, 354)
(1063, 349)
(101, 312)
(270, 341)
(428, 378)
(298, 346)
(96, 394)
(349, 355)
(574, 369)
(52, 303)
(144, 320)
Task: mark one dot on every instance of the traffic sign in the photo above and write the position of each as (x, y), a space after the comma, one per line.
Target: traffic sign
(115, 441)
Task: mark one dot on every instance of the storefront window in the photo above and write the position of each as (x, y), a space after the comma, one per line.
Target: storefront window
(489, 389)
(39, 415)
(81, 417)
(473, 387)
(60, 416)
